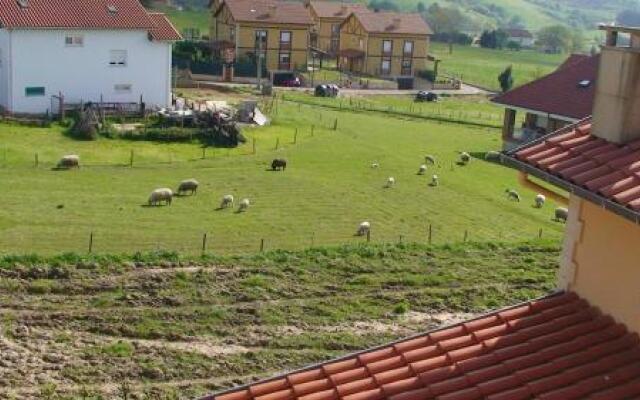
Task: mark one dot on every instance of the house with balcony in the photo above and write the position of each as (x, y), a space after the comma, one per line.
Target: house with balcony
(561, 98)
(580, 341)
(384, 44)
(277, 32)
(111, 51)
(328, 16)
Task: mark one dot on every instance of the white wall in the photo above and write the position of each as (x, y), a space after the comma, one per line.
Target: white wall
(5, 40)
(40, 58)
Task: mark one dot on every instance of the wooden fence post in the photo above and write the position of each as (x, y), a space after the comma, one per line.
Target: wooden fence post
(295, 136)
(131, 159)
(204, 244)
(466, 234)
(335, 124)
(203, 152)
(261, 245)
(540, 234)
(277, 143)
(369, 235)
(430, 232)
(36, 160)
(90, 242)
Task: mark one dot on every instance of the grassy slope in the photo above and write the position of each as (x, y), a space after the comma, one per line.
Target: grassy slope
(195, 326)
(482, 66)
(189, 19)
(326, 192)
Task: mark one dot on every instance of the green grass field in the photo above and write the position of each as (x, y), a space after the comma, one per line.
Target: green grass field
(189, 19)
(328, 189)
(166, 327)
(482, 66)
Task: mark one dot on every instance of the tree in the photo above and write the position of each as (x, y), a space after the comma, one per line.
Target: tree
(556, 38)
(420, 7)
(387, 5)
(496, 39)
(506, 79)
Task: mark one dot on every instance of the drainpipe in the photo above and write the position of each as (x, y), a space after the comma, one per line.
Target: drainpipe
(525, 181)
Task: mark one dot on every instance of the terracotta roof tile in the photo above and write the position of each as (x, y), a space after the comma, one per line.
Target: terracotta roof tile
(164, 30)
(555, 348)
(334, 9)
(269, 11)
(558, 93)
(388, 22)
(605, 168)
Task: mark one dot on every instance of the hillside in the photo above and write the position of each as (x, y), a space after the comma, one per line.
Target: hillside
(484, 14)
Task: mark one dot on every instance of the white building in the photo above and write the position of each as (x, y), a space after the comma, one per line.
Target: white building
(521, 36)
(86, 50)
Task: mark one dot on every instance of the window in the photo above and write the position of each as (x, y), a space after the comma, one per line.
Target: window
(285, 40)
(232, 34)
(284, 61)
(74, 41)
(361, 44)
(408, 48)
(34, 91)
(118, 58)
(335, 29)
(385, 67)
(387, 46)
(261, 40)
(122, 88)
(406, 67)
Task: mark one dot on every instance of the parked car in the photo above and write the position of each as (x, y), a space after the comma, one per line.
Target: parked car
(423, 95)
(327, 91)
(287, 79)
(293, 82)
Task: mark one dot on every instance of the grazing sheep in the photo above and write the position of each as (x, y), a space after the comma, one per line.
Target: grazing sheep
(190, 185)
(465, 157)
(279, 163)
(69, 161)
(244, 205)
(375, 165)
(435, 181)
(562, 214)
(492, 156)
(227, 201)
(161, 195)
(429, 159)
(422, 169)
(364, 228)
(540, 199)
(391, 182)
(512, 195)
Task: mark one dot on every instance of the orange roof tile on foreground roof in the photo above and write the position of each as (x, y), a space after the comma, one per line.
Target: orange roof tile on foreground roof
(275, 11)
(604, 168)
(334, 9)
(393, 22)
(558, 347)
(164, 30)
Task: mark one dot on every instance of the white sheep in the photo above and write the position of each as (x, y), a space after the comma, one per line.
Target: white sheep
(391, 182)
(540, 200)
(512, 195)
(364, 228)
(465, 157)
(429, 159)
(69, 161)
(375, 165)
(161, 195)
(227, 201)
(244, 205)
(435, 181)
(562, 214)
(190, 185)
(492, 156)
(422, 169)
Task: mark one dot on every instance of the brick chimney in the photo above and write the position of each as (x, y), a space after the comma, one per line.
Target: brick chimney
(616, 112)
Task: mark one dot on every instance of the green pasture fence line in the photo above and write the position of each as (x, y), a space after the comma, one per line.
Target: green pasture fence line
(449, 118)
(217, 242)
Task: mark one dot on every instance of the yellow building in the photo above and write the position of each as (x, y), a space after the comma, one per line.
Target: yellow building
(328, 16)
(277, 30)
(597, 160)
(384, 44)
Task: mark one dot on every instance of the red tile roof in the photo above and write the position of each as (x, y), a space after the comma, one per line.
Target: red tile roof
(554, 348)
(604, 168)
(393, 22)
(85, 14)
(89, 14)
(519, 33)
(558, 93)
(164, 30)
(333, 9)
(265, 11)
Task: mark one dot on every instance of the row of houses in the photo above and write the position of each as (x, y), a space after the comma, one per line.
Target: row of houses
(287, 34)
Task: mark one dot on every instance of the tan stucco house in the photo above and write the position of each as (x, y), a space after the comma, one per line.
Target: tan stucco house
(278, 30)
(328, 16)
(386, 44)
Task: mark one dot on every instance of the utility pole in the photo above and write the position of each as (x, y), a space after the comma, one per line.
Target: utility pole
(259, 61)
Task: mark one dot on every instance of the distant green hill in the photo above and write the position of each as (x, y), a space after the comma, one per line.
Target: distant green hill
(482, 14)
